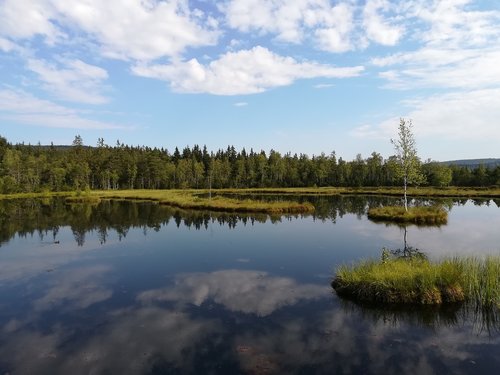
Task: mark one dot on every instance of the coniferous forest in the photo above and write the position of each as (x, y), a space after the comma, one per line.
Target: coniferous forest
(28, 168)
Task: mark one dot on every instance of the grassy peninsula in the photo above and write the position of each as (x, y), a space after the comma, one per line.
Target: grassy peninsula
(420, 281)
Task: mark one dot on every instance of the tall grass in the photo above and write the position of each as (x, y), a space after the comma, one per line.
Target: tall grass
(419, 281)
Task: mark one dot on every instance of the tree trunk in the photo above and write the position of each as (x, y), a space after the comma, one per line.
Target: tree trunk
(406, 198)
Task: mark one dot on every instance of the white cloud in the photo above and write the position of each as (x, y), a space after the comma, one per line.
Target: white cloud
(335, 36)
(329, 27)
(76, 81)
(457, 69)
(240, 104)
(243, 72)
(379, 28)
(323, 85)
(464, 115)
(141, 30)
(454, 23)
(458, 48)
(7, 45)
(26, 18)
(21, 107)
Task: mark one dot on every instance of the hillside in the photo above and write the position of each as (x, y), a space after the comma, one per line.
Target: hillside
(474, 163)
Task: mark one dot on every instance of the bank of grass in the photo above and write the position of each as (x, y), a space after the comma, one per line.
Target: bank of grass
(200, 199)
(423, 192)
(430, 215)
(419, 281)
(453, 192)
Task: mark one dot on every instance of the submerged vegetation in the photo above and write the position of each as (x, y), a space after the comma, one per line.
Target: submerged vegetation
(420, 281)
(431, 215)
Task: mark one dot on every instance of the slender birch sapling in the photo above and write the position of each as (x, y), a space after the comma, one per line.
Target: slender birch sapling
(408, 167)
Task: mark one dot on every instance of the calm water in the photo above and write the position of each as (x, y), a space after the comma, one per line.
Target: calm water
(131, 288)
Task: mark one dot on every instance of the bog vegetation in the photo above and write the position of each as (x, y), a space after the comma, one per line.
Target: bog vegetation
(429, 215)
(27, 168)
(416, 280)
(198, 200)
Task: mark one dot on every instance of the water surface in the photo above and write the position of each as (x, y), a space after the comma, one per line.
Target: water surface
(135, 288)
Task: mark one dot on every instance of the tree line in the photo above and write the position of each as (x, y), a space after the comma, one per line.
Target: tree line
(35, 168)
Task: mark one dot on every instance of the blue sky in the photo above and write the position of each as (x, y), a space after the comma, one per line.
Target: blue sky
(306, 76)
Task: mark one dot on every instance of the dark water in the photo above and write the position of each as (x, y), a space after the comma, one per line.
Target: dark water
(132, 288)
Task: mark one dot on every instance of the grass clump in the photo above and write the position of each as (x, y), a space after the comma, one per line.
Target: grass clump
(419, 281)
(430, 215)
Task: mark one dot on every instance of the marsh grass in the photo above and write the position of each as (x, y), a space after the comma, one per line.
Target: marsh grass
(423, 215)
(429, 191)
(197, 199)
(419, 281)
(84, 198)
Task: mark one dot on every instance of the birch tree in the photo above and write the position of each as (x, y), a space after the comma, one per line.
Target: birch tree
(408, 164)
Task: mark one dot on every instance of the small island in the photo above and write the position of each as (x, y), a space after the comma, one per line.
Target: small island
(423, 215)
(422, 282)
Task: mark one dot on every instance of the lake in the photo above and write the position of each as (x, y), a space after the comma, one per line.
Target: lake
(138, 288)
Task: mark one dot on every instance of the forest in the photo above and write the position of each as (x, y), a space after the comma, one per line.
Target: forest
(37, 168)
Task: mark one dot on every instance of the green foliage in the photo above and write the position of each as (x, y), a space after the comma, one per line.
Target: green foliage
(25, 168)
(437, 174)
(408, 168)
(419, 281)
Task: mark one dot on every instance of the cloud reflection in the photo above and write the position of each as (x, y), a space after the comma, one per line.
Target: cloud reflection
(134, 341)
(76, 289)
(251, 292)
(149, 337)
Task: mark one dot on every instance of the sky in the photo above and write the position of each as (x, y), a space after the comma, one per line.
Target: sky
(299, 76)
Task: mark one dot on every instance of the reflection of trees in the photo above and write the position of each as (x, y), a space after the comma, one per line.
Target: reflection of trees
(435, 316)
(407, 252)
(44, 217)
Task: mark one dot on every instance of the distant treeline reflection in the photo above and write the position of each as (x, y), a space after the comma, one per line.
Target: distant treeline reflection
(44, 217)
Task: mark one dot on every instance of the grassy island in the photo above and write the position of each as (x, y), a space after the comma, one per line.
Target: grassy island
(433, 215)
(419, 281)
(201, 200)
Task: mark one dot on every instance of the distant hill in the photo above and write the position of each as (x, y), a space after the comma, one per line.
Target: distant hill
(474, 163)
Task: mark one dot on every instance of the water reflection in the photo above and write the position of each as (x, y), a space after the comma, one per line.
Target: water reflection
(406, 251)
(75, 289)
(153, 338)
(250, 292)
(44, 218)
(150, 289)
